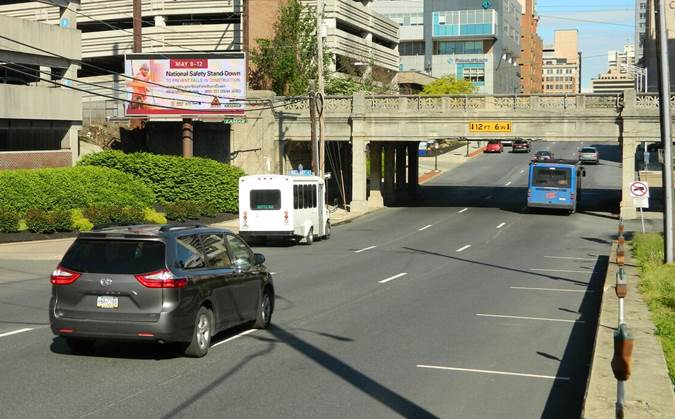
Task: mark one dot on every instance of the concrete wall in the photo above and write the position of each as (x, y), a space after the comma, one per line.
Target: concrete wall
(32, 102)
(64, 42)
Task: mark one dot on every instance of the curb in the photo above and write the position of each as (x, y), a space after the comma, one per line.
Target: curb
(476, 152)
(649, 391)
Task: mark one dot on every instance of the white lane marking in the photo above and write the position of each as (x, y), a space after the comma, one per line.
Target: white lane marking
(273, 273)
(461, 211)
(501, 225)
(563, 270)
(14, 332)
(569, 258)
(522, 171)
(391, 278)
(463, 248)
(508, 183)
(363, 250)
(548, 289)
(530, 318)
(515, 374)
(425, 227)
(244, 333)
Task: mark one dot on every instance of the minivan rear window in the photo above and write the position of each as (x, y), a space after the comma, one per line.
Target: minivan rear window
(265, 199)
(115, 256)
(552, 177)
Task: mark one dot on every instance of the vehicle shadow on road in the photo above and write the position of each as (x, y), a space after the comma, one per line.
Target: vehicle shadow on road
(506, 268)
(277, 336)
(511, 199)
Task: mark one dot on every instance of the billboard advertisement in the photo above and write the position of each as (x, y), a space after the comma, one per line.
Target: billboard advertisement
(163, 85)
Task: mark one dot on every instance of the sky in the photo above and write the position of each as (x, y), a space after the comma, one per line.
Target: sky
(603, 25)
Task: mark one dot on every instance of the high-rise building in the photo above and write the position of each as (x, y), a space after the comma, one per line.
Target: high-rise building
(468, 39)
(649, 54)
(531, 50)
(621, 60)
(562, 64)
(640, 30)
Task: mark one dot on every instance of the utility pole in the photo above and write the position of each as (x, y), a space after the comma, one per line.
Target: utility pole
(312, 133)
(137, 47)
(138, 22)
(320, 84)
(666, 140)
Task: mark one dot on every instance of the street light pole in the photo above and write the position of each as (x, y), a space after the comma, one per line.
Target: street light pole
(321, 87)
(666, 140)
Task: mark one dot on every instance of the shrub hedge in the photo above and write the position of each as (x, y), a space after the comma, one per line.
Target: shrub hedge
(174, 178)
(41, 221)
(9, 221)
(109, 214)
(182, 211)
(70, 188)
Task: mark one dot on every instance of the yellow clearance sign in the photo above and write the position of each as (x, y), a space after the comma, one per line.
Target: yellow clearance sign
(490, 126)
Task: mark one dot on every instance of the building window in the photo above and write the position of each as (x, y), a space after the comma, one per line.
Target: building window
(458, 47)
(473, 72)
(411, 48)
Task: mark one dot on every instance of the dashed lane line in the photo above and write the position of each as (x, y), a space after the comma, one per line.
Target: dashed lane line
(230, 339)
(425, 227)
(14, 332)
(463, 248)
(529, 318)
(464, 210)
(501, 225)
(365, 249)
(391, 278)
(513, 374)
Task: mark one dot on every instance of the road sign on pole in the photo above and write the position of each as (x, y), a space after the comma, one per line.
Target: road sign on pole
(639, 190)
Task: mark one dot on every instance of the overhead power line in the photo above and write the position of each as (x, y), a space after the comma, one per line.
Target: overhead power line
(86, 64)
(287, 101)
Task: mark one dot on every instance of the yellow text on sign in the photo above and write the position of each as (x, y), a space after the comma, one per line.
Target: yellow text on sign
(490, 126)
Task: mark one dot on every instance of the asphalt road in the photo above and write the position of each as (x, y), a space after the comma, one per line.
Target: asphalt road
(463, 306)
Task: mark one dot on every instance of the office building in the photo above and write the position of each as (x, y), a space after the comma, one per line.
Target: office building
(640, 30)
(470, 40)
(562, 64)
(39, 120)
(650, 52)
(613, 81)
(621, 60)
(531, 50)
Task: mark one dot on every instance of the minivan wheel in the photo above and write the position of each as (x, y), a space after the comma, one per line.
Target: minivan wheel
(79, 345)
(265, 308)
(201, 336)
(310, 237)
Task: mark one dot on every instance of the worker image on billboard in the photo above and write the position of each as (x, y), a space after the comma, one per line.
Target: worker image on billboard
(140, 89)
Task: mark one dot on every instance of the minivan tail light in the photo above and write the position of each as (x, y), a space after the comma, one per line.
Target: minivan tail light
(63, 276)
(161, 279)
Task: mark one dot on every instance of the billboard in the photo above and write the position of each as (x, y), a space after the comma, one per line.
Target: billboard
(163, 85)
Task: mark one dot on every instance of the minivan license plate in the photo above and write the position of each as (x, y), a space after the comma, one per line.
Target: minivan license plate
(105, 301)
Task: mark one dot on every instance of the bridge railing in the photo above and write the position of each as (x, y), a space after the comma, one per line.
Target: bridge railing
(462, 103)
(651, 101)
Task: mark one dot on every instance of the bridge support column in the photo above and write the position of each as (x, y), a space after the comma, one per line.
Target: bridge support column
(375, 200)
(401, 164)
(359, 179)
(413, 168)
(388, 173)
(628, 148)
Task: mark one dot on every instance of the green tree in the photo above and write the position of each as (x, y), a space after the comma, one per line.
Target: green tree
(287, 63)
(448, 85)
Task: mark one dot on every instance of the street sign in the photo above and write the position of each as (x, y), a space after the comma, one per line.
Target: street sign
(639, 189)
(490, 126)
(640, 192)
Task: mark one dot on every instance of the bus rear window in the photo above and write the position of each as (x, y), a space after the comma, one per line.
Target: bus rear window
(551, 177)
(265, 199)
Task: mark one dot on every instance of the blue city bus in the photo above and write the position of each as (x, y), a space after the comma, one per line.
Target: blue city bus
(555, 184)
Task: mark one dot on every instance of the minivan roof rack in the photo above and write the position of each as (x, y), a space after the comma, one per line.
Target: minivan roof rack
(169, 227)
(98, 227)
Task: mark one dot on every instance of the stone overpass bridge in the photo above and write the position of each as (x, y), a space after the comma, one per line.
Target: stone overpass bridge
(397, 124)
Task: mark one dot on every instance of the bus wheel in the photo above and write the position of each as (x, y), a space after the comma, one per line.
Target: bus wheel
(310, 237)
(327, 236)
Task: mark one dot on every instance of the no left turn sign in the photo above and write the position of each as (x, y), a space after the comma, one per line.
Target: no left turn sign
(639, 189)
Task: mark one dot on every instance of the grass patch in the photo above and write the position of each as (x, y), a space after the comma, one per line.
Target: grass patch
(657, 285)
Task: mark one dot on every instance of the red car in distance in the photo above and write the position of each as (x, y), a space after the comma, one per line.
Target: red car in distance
(494, 146)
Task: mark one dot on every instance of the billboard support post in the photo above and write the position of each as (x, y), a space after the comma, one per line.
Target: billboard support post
(188, 130)
(137, 46)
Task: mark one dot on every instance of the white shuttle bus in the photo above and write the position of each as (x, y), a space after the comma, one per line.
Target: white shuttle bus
(289, 207)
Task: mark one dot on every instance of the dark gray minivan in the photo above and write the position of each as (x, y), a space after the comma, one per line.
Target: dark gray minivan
(172, 283)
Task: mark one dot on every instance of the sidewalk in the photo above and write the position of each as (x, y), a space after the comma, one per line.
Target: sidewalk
(446, 161)
(649, 391)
